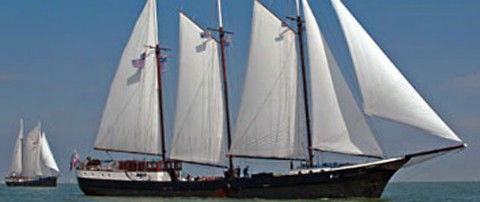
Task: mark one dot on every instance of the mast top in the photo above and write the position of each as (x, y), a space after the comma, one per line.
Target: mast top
(298, 7)
(220, 20)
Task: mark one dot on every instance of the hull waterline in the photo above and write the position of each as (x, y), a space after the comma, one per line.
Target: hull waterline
(25, 182)
(367, 180)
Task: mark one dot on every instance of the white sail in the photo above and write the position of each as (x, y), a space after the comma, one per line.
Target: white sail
(31, 154)
(385, 91)
(266, 122)
(47, 160)
(199, 117)
(16, 164)
(130, 121)
(338, 124)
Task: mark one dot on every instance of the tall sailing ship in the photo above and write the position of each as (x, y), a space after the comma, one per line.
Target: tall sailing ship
(33, 164)
(274, 118)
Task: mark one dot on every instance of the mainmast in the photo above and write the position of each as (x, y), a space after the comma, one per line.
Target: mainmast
(299, 21)
(222, 33)
(158, 50)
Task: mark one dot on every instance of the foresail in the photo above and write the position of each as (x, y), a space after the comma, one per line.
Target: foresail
(199, 117)
(338, 124)
(385, 91)
(47, 160)
(16, 164)
(130, 121)
(266, 122)
(31, 153)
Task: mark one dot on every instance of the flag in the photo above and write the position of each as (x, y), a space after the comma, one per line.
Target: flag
(227, 42)
(74, 160)
(163, 60)
(139, 63)
(206, 34)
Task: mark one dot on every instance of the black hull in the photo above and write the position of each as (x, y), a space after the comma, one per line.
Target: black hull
(39, 182)
(358, 181)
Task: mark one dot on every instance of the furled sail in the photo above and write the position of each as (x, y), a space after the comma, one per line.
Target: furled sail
(199, 117)
(16, 164)
(385, 91)
(47, 160)
(130, 121)
(338, 124)
(266, 122)
(31, 154)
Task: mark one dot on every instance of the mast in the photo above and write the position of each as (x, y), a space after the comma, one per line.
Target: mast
(304, 81)
(222, 33)
(160, 98)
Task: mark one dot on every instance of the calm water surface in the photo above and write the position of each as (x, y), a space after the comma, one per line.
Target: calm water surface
(447, 191)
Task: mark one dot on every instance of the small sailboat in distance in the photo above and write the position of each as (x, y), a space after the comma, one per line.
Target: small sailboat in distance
(269, 124)
(33, 164)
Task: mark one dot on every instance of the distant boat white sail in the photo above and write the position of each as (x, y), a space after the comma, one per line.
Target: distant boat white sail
(385, 91)
(16, 164)
(337, 125)
(31, 153)
(199, 118)
(47, 159)
(266, 122)
(130, 121)
(33, 164)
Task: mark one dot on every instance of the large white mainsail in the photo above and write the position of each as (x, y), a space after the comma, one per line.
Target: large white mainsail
(47, 161)
(266, 123)
(130, 121)
(385, 91)
(199, 117)
(338, 124)
(31, 154)
(16, 164)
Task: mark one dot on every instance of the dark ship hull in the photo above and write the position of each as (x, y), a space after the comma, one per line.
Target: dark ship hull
(365, 180)
(31, 182)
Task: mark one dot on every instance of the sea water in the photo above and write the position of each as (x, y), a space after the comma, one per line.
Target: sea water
(411, 191)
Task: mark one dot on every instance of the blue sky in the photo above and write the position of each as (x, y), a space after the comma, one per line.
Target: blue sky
(57, 59)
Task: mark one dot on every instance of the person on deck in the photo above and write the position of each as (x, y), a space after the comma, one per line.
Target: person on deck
(245, 172)
(237, 171)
